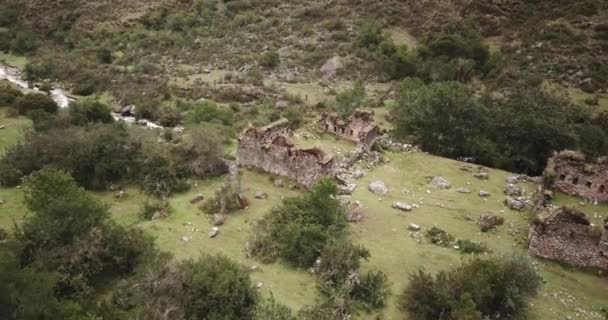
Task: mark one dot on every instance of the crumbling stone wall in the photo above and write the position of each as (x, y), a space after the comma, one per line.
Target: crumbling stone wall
(574, 175)
(566, 235)
(359, 127)
(269, 148)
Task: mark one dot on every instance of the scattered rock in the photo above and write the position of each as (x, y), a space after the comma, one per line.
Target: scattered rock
(2, 127)
(513, 190)
(513, 179)
(441, 183)
(515, 204)
(488, 222)
(358, 174)
(278, 183)
(344, 199)
(185, 239)
(260, 195)
(482, 175)
(218, 219)
(413, 227)
(463, 190)
(402, 206)
(196, 199)
(484, 194)
(253, 268)
(347, 189)
(259, 285)
(120, 194)
(214, 232)
(378, 187)
(354, 212)
(331, 67)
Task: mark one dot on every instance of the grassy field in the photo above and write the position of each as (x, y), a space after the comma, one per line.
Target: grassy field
(394, 249)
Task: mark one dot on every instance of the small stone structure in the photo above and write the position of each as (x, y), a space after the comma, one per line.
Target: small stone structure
(359, 127)
(574, 175)
(270, 148)
(567, 235)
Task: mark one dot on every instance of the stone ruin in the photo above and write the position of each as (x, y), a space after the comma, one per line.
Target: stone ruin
(270, 148)
(567, 235)
(359, 127)
(576, 176)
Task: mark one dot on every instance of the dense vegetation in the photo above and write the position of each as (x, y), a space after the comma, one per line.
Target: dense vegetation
(310, 232)
(496, 288)
(517, 132)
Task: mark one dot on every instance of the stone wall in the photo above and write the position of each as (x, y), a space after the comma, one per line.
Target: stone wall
(576, 176)
(269, 148)
(566, 235)
(359, 127)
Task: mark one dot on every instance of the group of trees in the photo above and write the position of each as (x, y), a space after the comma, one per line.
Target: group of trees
(85, 141)
(516, 132)
(310, 232)
(456, 52)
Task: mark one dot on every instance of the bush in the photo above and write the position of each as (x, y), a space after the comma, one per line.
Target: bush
(439, 237)
(89, 111)
(211, 112)
(300, 228)
(351, 99)
(272, 310)
(96, 155)
(35, 101)
(372, 289)
(169, 117)
(3, 234)
(497, 288)
(212, 287)
(25, 42)
(270, 59)
(8, 95)
(104, 55)
(468, 246)
(155, 208)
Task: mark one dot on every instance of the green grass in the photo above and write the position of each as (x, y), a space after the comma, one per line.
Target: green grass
(596, 213)
(18, 62)
(567, 292)
(13, 131)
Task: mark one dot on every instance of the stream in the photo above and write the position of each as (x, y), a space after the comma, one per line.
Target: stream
(61, 97)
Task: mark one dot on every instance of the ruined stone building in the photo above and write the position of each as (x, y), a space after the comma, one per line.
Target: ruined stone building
(270, 148)
(567, 235)
(576, 176)
(359, 127)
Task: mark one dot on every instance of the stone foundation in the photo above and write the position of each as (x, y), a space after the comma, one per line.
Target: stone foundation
(269, 148)
(359, 127)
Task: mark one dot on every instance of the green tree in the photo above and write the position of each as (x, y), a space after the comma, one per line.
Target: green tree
(351, 99)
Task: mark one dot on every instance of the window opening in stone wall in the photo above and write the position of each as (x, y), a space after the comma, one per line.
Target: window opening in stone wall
(562, 177)
(588, 184)
(575, 181)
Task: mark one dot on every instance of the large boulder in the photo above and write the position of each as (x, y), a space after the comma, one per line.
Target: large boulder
(483, 193)
(378, 187)
(482, 175)
(441, 183)
(331, 67)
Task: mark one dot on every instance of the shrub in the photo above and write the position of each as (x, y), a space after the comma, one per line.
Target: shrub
(372, 289)
(351, 99)
(299, 229)
(87, 83)
(169, 117)
(104, 55)
(35, 101)
(272, 310)
(89, 111)
(3, 234)
(468, 246)
(8, 95)
(339, 260)
(371, 35)
(439, 237)
(211, 112)
(494, 288)
(25, 42)
(96, 155)
(155, 208)
(212, 287)
(270, 59)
